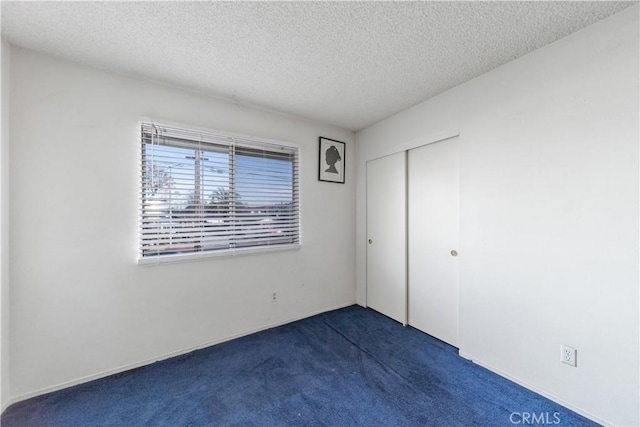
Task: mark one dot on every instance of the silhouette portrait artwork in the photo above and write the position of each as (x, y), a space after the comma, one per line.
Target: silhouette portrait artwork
(331, 157)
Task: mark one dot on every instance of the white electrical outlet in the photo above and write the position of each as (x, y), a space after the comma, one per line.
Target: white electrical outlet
(274, 296)
(568, 355)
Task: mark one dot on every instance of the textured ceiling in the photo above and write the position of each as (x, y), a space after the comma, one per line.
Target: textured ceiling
(349, 64)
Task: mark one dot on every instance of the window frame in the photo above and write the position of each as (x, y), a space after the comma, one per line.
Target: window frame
(245, 142)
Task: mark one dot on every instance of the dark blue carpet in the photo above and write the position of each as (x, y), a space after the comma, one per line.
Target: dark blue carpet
(349, 367)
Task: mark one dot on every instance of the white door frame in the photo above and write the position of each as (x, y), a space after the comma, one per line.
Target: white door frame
(386, 151)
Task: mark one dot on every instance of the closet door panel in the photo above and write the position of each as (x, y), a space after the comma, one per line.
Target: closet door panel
(386, 236)
(433, 210)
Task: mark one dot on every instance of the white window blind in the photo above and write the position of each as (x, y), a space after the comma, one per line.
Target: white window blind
(206, 192)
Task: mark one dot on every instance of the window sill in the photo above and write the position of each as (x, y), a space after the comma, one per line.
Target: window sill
(176, 258)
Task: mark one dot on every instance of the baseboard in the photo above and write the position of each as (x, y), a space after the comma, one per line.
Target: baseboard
(146, 362)
(541, 392)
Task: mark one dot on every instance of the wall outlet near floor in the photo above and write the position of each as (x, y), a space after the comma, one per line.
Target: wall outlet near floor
(274, 296)
(568, 355)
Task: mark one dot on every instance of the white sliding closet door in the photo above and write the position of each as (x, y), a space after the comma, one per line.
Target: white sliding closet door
(386, 236)
(433, 193)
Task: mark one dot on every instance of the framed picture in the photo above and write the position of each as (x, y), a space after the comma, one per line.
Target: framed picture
(331, 156)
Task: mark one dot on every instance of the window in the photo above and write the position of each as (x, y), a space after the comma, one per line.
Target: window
(205, 192)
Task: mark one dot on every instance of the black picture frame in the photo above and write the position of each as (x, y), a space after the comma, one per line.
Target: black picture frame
(331, 160)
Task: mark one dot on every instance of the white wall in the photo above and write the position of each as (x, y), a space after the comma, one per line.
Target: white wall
(4, 225)
(80, 305)
(549, 219)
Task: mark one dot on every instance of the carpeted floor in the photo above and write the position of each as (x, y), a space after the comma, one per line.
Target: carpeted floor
(349, 367)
